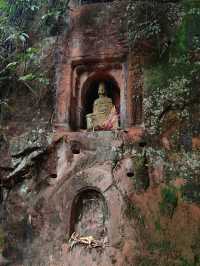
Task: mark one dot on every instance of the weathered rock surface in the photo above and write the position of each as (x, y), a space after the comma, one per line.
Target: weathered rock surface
(99, 184)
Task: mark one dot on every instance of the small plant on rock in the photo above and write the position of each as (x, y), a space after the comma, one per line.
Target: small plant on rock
(169, 200)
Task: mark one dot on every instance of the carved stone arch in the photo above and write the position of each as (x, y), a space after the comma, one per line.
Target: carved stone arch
(89, 213)
(89, 93)
(85, 78)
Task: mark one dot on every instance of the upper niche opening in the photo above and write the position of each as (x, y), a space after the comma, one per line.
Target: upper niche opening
(91, 94)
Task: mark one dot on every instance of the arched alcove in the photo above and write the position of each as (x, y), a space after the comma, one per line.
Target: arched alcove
(89, 214)
(90, 94)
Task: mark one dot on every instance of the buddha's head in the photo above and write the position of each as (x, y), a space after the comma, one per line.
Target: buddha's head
(101, 90)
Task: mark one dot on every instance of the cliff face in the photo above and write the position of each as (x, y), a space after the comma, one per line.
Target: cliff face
(129, 196)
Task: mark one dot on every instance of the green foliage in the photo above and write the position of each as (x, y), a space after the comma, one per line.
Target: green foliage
(3, 5)
(172, 85)
(177, 164)
(141, 177)
(133, 212)
(185, 165)
(158, 226)
(163, 246)
(19, 60)
(187, 37)
(154, 154)
(185, 262)
(191, 190)
(169, 87)
(152, 21)
(2, 238)
(145, 261)
(55, 19)
(19, 65)
(169, 200)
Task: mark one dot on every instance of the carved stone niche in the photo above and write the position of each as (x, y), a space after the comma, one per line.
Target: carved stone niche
(89, 214)
(85, 91)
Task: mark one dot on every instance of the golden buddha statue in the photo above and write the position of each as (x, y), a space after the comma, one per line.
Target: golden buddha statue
(104, 114)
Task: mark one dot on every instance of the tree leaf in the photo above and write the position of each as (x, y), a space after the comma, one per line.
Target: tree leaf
(11, 65)
(27, 77)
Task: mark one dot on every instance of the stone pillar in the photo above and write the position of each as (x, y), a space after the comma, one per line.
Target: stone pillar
(64, 96)
(135, 91)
